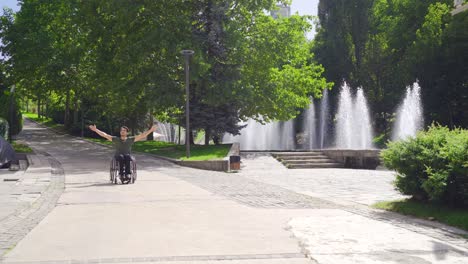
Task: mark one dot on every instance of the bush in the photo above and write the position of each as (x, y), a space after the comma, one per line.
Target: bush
(433, 166)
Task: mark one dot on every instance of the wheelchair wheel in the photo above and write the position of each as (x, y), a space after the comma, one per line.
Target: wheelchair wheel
(113, 171)
(134, 170)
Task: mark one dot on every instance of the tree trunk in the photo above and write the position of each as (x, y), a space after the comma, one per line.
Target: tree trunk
(66, 118)
(179, 133)
(450, 115)
(109, 126)
(82, 120)
(46, 103)
(216, 140)
(39, 107)
(75, 112)
(192, 142)
(207, 136)
(150, 135)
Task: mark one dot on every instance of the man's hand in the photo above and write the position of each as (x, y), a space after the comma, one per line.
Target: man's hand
(93, 127)
(153, 128)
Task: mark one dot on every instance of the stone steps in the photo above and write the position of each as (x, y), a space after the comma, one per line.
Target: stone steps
(306, 160)
(294, 158)
(314, 165)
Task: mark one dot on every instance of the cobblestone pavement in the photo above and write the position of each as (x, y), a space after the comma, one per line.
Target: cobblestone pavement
(247, 191)
(347, 186)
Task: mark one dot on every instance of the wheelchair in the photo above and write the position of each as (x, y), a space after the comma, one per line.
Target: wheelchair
(114, 171)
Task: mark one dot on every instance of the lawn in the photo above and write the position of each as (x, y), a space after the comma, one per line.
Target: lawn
(450, 216)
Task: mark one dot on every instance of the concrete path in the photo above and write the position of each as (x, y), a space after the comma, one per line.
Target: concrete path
(178, 215)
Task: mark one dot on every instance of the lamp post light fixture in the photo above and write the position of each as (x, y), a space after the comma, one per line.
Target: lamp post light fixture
(187, 54)
(10, 127)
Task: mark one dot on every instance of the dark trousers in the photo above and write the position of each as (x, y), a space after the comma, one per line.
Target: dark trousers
(124, 162)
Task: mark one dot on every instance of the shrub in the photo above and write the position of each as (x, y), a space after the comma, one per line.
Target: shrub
(432, 166)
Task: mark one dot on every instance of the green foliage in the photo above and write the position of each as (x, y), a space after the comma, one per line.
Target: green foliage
(380, 141)
(21, 148)
(114, 62)
(432, 166)
(279, 74)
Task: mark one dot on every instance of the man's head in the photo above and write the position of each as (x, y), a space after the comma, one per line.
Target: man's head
(123, 131)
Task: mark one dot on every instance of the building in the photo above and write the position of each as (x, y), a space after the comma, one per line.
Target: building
(460, 6)
(282, 11)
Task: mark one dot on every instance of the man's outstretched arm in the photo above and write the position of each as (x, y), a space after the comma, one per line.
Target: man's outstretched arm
(145, 134)
(99, 132)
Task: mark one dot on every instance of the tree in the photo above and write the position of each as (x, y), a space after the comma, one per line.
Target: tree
(116, 61)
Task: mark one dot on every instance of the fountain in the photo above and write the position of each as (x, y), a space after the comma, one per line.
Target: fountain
(409, 118)
(363, 126)
(316, 127)
(353, 127)
(309, 125)
(270, 136)
(169, 132)
(324, 119)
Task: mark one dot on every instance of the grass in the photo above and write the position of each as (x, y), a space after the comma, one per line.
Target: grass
(45, 121)
(450, 216)
(197, 152)
(21, 148)
(170, 150)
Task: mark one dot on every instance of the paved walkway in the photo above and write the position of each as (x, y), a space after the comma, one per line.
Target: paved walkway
(173, 214)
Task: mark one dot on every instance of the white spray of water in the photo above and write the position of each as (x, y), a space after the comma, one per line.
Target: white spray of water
(409, 118)
(353, 127)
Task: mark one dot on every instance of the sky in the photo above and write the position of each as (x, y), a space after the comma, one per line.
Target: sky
(13, 4)
(302, 7)
(305, 7)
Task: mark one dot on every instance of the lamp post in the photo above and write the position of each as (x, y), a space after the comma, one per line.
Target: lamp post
(10, 128)
(187, 54)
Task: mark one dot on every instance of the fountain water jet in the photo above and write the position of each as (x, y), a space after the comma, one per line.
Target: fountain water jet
(309, 125)
(271, 136)
(324, 112)
(353, 128)
(169, 132)
(409, 118)
(363, 127)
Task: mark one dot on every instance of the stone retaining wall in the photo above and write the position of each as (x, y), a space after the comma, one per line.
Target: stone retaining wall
(214, 165)
(354, 158)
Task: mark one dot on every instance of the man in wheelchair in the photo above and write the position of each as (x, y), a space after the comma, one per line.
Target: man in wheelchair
(123, 147)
